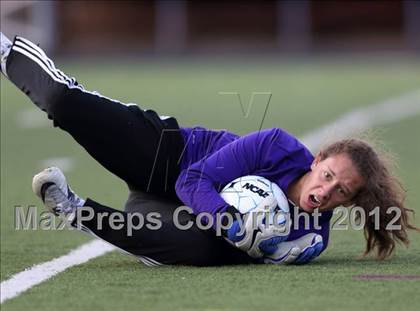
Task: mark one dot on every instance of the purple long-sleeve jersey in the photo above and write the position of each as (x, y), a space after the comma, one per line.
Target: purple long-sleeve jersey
(212, 159)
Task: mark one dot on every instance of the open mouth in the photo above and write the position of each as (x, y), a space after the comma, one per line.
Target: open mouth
(315, 202)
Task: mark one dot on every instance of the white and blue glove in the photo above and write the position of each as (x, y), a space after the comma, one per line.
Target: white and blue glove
(261, 231)
(300, 251)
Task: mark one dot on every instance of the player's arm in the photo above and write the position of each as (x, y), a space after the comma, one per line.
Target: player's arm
(198, 186)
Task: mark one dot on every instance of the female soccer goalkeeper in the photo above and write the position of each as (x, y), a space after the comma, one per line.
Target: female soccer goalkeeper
(166, 165)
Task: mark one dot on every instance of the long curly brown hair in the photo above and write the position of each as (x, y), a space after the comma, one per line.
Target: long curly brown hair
(382, 190)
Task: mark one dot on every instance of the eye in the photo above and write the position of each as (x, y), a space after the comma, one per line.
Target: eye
(327, 175)
(341, 191)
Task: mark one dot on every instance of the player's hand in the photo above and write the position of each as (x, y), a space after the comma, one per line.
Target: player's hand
(262, 229)
(299, 251)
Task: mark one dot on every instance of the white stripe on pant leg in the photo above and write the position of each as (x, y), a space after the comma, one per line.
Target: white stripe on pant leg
(153, 262)
(36, 49)
(39, 54)
(43, 58)
(27, 54)
(39, 51)
(52, 70)
(146, 260)
(65, 79)
(47, 70)
(71, 81)
(18, 46)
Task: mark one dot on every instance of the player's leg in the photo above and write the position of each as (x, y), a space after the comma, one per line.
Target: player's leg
(136, 145)
(160, 241)
(158, 238)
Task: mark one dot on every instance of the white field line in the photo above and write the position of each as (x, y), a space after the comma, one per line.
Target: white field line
(387, 111)
(26, 279)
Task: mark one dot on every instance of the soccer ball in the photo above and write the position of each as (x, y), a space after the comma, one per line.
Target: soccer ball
(265, 224)
(245, 193)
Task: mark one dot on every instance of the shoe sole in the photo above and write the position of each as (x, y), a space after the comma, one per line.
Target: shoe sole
(49, 175)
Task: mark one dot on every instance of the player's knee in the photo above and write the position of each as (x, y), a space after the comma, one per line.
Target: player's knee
(59, 104)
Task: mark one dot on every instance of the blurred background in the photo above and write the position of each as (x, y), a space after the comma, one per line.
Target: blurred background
(203, 27)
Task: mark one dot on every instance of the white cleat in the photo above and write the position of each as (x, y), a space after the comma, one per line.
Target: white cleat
(51, 187)
(5, 46)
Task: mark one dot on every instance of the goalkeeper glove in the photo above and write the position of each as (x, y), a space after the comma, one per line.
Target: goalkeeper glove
(299, 251)
(260, 230)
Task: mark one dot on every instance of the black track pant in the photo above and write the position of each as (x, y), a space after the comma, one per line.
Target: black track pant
(162, 240)
(136, 145)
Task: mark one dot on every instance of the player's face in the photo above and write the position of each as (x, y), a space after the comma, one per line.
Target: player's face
(332, 182)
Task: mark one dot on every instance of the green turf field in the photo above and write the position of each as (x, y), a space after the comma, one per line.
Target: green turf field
(305, 95)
